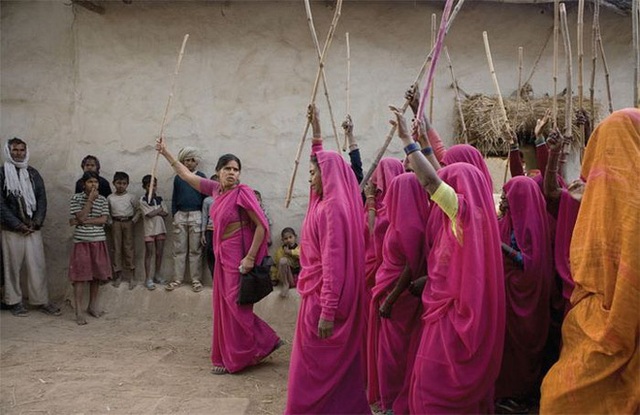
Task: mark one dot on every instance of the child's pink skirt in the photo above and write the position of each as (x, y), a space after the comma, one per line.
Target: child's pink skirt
(89, 261)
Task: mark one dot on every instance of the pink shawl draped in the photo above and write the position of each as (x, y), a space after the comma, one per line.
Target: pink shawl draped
(392, 343)
(464, 308)
(528, 290)
(567, 215)
(327, 375)
(382, 176)
(464, 153)
(240, 338)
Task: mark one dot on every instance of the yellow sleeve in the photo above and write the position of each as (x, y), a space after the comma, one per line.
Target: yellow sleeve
(447, 199)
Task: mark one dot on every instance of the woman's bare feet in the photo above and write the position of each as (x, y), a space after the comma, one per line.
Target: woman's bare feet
(95, 313)
(80, 319)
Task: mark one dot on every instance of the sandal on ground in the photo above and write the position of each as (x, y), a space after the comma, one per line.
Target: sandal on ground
(511, 406)
(159, 280)
(172, 285)
(150, 285)
(50, 310)
(196, 286)
(18, 310)
(219, 370)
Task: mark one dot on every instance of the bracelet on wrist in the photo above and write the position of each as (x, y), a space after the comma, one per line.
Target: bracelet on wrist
(411, 148)
(173, 163)
(427, 151)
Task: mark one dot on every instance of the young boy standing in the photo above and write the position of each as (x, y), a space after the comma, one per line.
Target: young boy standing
(155, 231)
(186, 206)
(123, 209)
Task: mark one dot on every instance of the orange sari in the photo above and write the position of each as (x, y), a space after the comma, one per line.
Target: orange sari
(599, 366)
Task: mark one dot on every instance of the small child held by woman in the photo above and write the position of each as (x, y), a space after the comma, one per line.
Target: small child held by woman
(287, 261)
(89, 260)
(155, 231)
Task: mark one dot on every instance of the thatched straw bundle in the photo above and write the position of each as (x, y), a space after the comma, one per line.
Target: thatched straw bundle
(486, 127)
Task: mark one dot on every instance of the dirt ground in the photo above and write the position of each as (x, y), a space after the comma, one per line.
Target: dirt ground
(148, 354)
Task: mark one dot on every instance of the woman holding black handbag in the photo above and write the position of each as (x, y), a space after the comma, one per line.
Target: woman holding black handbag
(240, 338)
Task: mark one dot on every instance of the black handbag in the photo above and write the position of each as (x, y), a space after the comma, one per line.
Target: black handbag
(255, 284)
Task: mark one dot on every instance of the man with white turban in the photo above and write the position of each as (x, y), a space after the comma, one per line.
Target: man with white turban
(23, 207)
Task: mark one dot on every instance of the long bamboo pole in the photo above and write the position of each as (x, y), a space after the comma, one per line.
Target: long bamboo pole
(556, 32)
(519, 90)
(503, 111)
(434, 31)
(594, 56)
(166, 112)
(404, 107)
(344, 145)
(458, 100)
(568, 102)
(327, 44)
(580, 45)
(606, 69)
(535, 63)
(316, 43)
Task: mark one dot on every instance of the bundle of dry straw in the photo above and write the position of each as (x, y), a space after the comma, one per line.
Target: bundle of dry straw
(485, 123)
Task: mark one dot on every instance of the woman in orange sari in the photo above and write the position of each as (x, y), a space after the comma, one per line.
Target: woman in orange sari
(599, 366)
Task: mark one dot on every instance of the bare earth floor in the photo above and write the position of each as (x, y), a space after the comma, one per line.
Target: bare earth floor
(148, 354)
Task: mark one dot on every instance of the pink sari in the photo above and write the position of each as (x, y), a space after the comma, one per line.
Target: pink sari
(386, 171)
(240, 338)
(327, 375)
(464, 153)
(528, 290)
(567, 215)
(460, 349)
(392, 343)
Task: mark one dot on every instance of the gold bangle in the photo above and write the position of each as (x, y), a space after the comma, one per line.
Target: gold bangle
(173, 163)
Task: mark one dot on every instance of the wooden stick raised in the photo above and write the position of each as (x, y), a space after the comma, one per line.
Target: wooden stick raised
(166, 112)
(314, 36)
(606, 69)
(344, 145)
(434, 31)
(458, 100)
(519, 91)
(556, 32)
(503, 111)
(568, 99)
(535, 64)
(404, 107)
(580, 27)
(327, 43)
(594, 56)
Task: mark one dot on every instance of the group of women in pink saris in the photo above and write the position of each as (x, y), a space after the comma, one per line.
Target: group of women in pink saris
(427, 303)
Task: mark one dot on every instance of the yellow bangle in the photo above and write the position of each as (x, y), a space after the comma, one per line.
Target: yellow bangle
(173, 163)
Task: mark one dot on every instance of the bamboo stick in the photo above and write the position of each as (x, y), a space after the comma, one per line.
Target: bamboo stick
(487, 48)
(556, 29)
(594, 56)
(434, 30)
(344, 145)
(458, 100)
(535, 63)
(568, 102)
(519, 90)
(580, 27)
(404, 107)
(316, 43)
(606, 69)
(327, 44)
(166, 112)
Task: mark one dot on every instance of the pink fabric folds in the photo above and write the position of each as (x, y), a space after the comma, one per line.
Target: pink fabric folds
(464, 308)
(388, 169)
(464, 153)
(327, 375)
(392, 343)
(240, 338)
(527, 289)
(567, 215)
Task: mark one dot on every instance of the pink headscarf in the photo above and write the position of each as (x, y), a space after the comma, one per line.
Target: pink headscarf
(464, 313)
(464, 153)
(528, 289)
(326, 375)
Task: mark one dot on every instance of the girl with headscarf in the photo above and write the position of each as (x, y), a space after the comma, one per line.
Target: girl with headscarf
(526, 246)
(240, 338)
(463, 322)
(600, 361)
(394, 315)
(326, 373)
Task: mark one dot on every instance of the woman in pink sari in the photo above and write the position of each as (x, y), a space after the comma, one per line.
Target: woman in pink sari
(464, 153)
(326, 373)
(394, 315)
(376, 214)
(464, 312)
(526, 244)
(240, 338)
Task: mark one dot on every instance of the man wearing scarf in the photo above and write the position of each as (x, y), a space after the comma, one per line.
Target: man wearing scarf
(23, 208)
